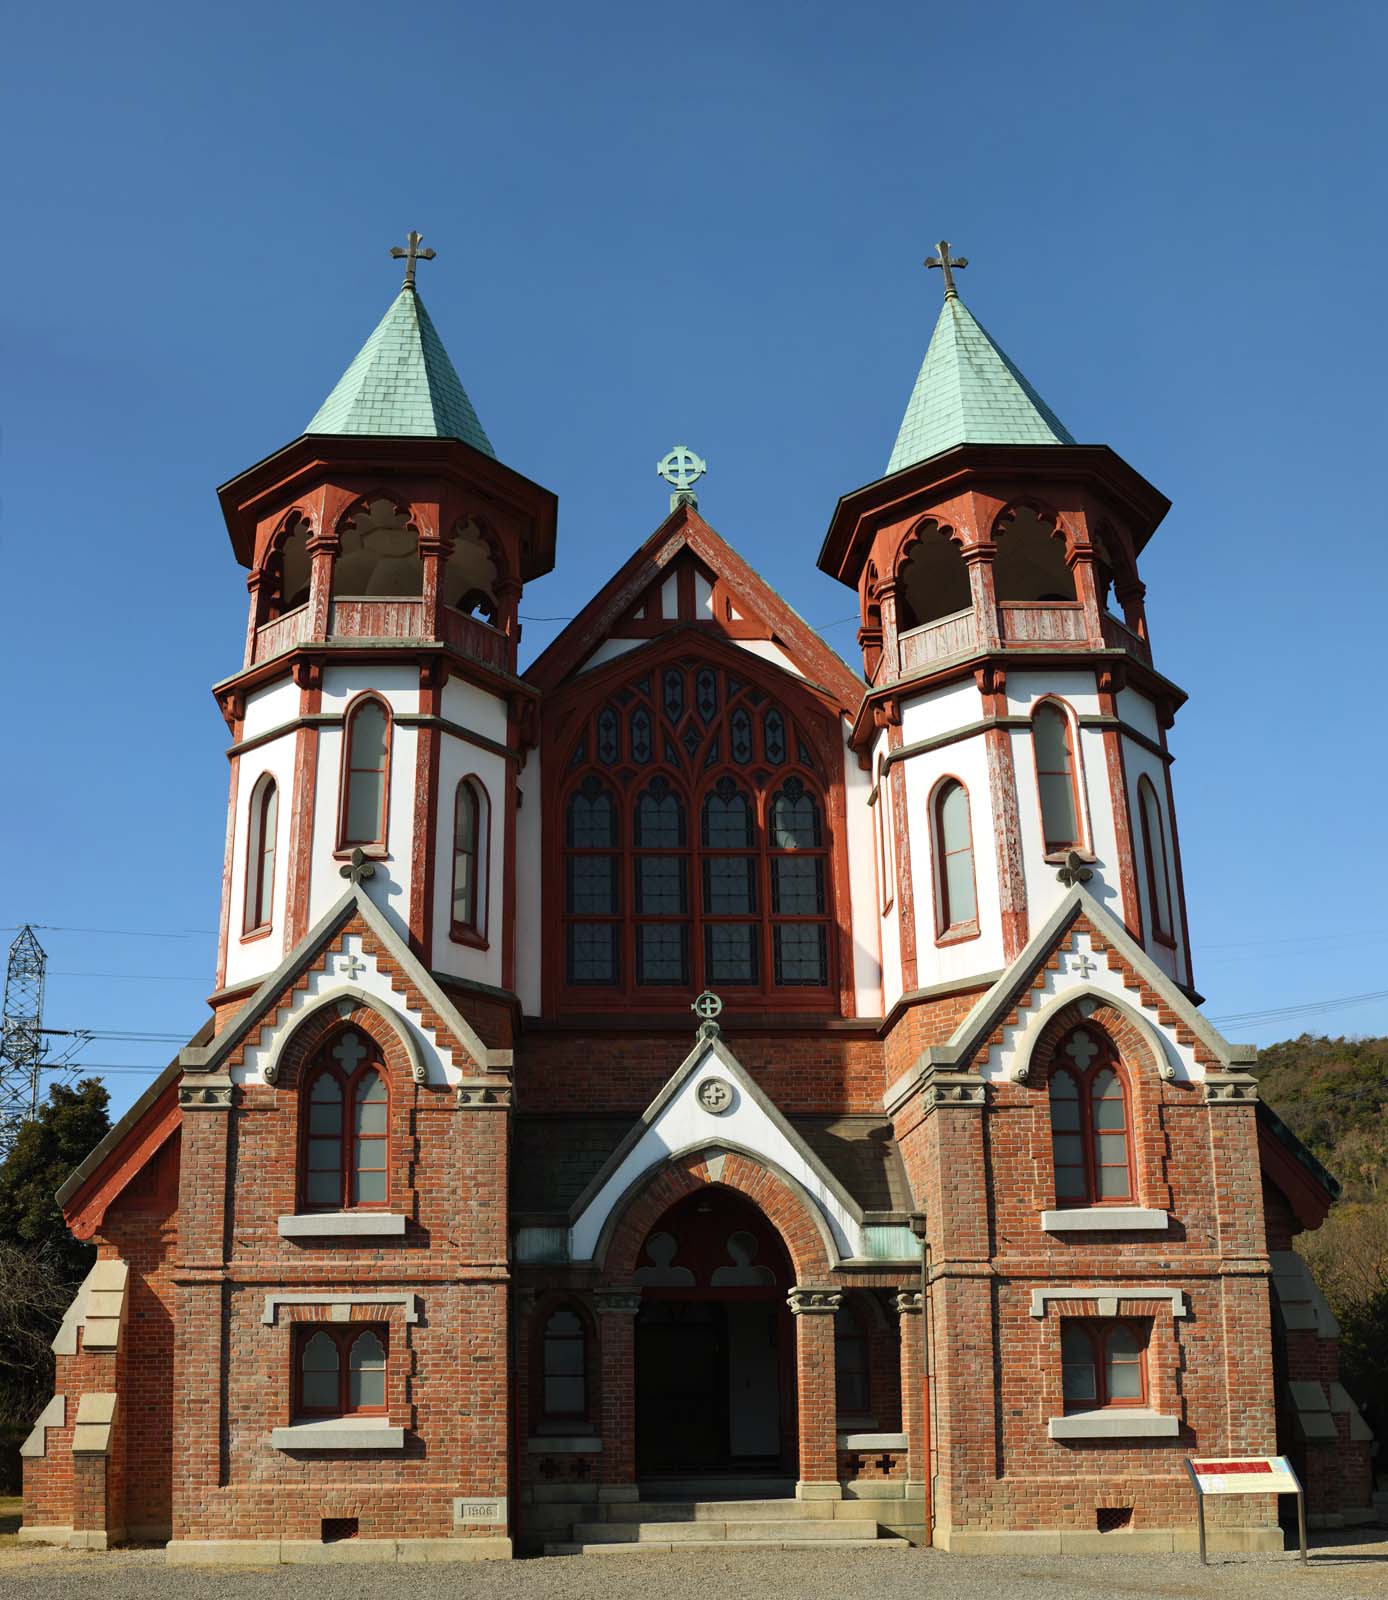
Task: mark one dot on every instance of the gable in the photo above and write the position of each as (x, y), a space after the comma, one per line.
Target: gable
(687, 577)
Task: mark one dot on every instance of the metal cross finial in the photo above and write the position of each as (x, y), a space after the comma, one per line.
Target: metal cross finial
(706, 1007)
(413, 239)
(947, 266)
(682, 469)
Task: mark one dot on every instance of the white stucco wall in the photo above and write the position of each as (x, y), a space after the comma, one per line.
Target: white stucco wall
(270, 707)
(1139, 762)
(458, 760)
(529, 868)
(253, 959)
(862, 887)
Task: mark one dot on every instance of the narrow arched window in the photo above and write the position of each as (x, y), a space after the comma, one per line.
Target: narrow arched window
(1154, 850)
(1090, 1128)
(799, 934)
(1055, 777)
(956, 899)
(851, 1373)
(340, 1371)
(320, 1367)
(365, 790)
(564, 1363)
(591, 891)
(886, 847)
(471, 820)
(660, 886)
(366, 1374)
(1102, 1364)
(346, 1128)
(260, 855)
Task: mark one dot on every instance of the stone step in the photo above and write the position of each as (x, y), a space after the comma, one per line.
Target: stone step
(721, 1532)
(657, 1549)
(734, 1510)
(754, 1486)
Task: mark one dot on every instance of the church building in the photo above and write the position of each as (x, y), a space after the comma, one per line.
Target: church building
(693, 1085)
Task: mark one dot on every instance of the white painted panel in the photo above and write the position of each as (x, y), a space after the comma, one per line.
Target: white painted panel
(670, 596)
(1138, 763)
(260, 956)
(609, 650)
(703, 595)
(389, 885)
(459, 760)
(1139, 712)
(1077, 689)
(862, 876)
(531, 934)
(484, 713)
(769, 652)
(398, 686)
(270, 707)
(927, 716)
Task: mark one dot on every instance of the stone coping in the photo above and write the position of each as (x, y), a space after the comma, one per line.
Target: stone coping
(311, 1552)
(1122, 1542)
(339, 1433)
(341, 1225)
(1114, 1422)
(872, 1441)
(1104, 1219)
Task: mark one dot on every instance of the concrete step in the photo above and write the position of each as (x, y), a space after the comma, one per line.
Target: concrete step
(786, 1530)
(657, 1549)
(754, 1486)
(734, 1510)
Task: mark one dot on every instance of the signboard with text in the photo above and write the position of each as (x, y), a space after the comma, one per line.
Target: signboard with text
(1244, 1475)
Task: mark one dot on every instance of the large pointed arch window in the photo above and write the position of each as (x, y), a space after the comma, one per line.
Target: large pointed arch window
(345, 1118)
(365, 774)
(1091, 1124)
(1053, 744)
(260, 855)
(952, 847)
(1154, 852)
(471, 846)
(696, 850)
(340, 1371)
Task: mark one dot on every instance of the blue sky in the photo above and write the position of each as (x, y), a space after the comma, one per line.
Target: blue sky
(702, 225)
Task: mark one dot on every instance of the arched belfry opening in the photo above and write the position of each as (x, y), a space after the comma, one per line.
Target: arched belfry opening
(933, 580)
(379, 554)
(715, 1348)
(470, 575)
(287, 569)
(1030, 565)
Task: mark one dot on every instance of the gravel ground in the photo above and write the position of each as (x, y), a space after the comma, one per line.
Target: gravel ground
(1341, 1566)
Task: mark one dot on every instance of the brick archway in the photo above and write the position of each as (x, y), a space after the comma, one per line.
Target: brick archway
(785, 1206)
(1133, 1036)
(403, 1062)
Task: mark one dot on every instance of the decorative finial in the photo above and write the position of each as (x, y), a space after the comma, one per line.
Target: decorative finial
(706, 1007)
(409, 256)
(947, 266)
(682, 469)
(1074, 871)
(358, 869)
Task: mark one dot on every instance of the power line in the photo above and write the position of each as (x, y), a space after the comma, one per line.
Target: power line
(137, 977)
(121, 933)
(1273, 1013)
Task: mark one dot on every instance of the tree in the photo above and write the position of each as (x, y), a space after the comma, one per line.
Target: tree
(70, 1124)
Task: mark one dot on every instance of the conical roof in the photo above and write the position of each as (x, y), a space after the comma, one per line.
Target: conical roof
(401, 384)
(969, 392)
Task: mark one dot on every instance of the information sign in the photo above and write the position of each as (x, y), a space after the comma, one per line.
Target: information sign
(1245, 1475)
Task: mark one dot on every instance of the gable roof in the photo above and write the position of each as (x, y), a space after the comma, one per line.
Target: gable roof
(684, 529)
(402, 383)
(969, 391)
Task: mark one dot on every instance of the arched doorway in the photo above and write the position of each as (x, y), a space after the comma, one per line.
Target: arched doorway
(715, 1350)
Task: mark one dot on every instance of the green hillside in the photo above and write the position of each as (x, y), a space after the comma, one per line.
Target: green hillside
(1333, 1094)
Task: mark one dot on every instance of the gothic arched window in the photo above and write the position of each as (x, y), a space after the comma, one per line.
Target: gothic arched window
(952, 842)
(1055, 777)
(564, 1366)
(1090, 1123)
(1102, 1364)
(345, 1115)
(340, 1371)
(365, 774)
(260, 855)
(471, 830)
(1154, 852)
(695, 847)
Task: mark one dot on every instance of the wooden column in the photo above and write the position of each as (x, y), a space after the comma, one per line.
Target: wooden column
(817, 1391)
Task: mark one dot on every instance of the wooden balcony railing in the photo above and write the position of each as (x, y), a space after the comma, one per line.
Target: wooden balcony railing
(376, 619)
(1119, 636)
(947, 636)
(478, 641)
(396, 618)
(274, 638)
(1040, 625)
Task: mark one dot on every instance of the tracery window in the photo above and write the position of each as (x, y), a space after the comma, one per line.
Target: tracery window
(340, 1371)
(365, 772)
(471, 827)
(695, 845)
(345, 1117)
(1154, 851)
(564, 1366)
(1090, 1123)
(952, 848)
(1055, 777)
(1102, 1364)
(260, 855)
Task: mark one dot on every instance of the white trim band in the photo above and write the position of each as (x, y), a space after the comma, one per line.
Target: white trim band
(274, 1301)
(1114, 1422)
(1104, 1219)
(1108, 1295)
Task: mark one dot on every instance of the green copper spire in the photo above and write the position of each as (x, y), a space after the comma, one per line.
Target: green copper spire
(402, 383)
(969, 392)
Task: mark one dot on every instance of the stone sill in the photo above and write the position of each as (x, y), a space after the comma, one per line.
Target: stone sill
(565, 1445)
(1104, 1219)
(1114, 1422)
(341, 1225)
(338, 1434)
(872, 1441)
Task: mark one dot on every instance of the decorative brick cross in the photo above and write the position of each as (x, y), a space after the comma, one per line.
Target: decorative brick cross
(1086, 966)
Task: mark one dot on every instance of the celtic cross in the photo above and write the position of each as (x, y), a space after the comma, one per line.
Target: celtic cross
(409, 256)
(948, 266)
(681, 469)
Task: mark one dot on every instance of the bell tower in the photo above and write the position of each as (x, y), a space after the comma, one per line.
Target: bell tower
(1015, 725)
(378, 721)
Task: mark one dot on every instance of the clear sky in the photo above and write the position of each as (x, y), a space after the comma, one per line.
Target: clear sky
(699, 224)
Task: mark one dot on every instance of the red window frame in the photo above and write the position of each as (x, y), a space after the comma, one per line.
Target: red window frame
(477, 851)
(544, 1374)
(947, 929)
(1105, 1060)
(258, 908)
(345, 840)
(344, 1337)
(1098, 1335)
(347, 1138)
(1056, 846)
(1155, 855)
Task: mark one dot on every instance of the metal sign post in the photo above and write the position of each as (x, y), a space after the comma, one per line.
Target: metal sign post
(1249, 1475)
